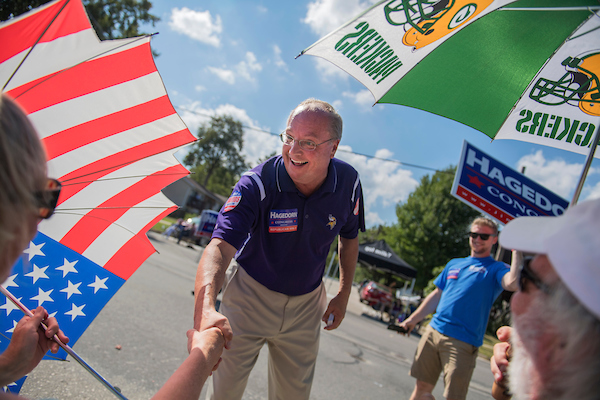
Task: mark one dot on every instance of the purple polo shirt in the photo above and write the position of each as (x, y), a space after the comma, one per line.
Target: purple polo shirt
(282, 236)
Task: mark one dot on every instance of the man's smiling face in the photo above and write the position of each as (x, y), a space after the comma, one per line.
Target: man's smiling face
(480, 247)
(308, 169)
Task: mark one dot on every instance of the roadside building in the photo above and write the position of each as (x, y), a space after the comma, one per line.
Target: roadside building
(192, 197)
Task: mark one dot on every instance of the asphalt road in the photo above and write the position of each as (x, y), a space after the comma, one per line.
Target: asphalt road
(138, 340)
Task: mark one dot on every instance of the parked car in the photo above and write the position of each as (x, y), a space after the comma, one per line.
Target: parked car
(376, 295)
(361, 285)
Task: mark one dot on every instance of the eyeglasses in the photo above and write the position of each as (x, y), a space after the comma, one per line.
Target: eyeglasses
(527, 274)
(48, 199)
(483, 236)
(304, 144)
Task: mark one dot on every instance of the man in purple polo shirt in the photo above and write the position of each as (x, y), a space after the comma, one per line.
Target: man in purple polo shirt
(279, 223)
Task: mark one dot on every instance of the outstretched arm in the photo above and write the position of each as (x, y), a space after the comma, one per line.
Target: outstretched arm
(427, 307)
(209, 280)
(205, 350)
(348, 251)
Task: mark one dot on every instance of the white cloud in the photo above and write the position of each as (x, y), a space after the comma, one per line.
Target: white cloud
(593, 193)
(194, 115)
(257, 144)
(323, 16)
(556, 175)
(198, 25)
(364, 98)
(277, 58)
(244, 69)
(373, 219)
(225, 75)
(338, 105)
(327, 70)
(199, 88)
(384, 183)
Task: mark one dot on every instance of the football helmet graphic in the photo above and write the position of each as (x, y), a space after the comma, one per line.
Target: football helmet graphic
(426, 21)
(579, 86)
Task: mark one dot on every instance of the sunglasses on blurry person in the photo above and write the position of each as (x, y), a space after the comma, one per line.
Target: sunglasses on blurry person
(483, 236)
(526, 274)
(47, 199)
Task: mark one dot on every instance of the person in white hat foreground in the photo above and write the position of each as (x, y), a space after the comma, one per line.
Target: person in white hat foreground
(555, 335)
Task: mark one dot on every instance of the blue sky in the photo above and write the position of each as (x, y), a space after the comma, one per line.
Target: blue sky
(238, 58)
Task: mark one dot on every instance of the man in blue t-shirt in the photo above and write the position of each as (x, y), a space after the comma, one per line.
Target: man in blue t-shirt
(279, 224)
(462, 299)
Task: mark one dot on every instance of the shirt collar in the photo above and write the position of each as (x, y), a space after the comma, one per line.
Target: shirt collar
(286, 184)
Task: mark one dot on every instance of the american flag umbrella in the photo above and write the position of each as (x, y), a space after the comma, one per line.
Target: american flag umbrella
(109, 129)
(526, 70)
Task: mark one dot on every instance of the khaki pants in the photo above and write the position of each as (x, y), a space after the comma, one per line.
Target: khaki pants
(437, 352)
(290, 325)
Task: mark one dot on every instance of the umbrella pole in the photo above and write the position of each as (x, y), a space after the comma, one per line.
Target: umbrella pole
(586, 167)
(65, 347)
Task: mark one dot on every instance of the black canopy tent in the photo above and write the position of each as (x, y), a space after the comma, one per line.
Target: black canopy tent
(381, 256)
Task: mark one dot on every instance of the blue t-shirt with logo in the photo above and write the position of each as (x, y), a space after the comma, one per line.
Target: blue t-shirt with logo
(282, 236)
(469, 288)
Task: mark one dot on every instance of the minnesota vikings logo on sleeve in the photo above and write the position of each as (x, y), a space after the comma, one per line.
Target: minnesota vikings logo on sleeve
(332, 222)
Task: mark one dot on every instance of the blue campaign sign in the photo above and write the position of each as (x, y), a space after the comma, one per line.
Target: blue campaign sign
(501, 192)
(206, 223)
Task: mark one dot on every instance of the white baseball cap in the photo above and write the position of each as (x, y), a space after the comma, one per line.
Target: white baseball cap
(572, 244)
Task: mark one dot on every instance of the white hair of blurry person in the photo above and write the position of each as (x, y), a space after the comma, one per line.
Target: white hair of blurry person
(22, 175)
(558, 338)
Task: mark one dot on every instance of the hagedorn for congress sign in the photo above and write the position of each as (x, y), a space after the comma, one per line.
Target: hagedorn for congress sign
(499, 191)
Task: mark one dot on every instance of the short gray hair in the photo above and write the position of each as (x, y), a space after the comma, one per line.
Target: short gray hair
(22, 172)
(320, 105)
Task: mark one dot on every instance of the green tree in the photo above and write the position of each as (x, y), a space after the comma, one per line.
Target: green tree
(221, 181)
(432, 226)
(372, 234)
(216, 158)
(112, 19)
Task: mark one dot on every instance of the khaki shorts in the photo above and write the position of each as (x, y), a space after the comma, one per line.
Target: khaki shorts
(437, 353)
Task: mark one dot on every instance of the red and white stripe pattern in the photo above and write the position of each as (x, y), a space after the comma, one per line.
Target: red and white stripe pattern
(109, 129)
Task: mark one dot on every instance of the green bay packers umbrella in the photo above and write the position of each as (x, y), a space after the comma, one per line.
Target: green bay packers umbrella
(525, 70)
